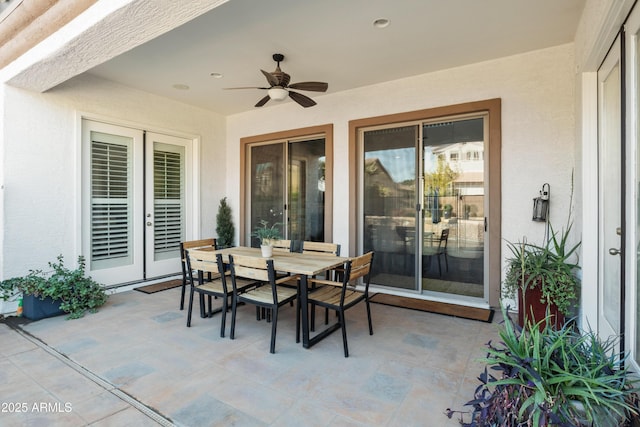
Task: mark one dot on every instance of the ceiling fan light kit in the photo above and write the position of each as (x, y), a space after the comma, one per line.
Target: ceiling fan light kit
(278, 93)
(279, 87)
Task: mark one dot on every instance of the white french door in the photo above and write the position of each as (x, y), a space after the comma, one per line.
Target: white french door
(632, 257)
(610, 194)
(136, 198)
(167, 195)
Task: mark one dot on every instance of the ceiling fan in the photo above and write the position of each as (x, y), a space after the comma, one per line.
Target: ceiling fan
(279, 87)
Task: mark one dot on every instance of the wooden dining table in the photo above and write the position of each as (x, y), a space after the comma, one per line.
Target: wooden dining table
(303, 264)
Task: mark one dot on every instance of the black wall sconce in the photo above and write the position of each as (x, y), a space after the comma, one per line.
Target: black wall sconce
(541, 204)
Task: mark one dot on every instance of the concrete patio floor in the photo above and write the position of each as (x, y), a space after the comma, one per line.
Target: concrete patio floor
(135, 363)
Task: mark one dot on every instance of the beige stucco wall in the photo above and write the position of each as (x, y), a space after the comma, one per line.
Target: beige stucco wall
(41, 161)
(538, 119)
(41, 157)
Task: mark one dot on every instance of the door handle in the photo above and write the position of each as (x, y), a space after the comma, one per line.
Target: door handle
(614, 251)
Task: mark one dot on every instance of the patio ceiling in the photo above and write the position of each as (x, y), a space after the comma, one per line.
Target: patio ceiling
(333, 41)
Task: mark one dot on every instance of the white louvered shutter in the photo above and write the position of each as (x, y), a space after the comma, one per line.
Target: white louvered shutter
(169, 200)
(111, 201)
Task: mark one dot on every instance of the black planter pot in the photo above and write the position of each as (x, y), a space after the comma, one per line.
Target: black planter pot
(33, 308)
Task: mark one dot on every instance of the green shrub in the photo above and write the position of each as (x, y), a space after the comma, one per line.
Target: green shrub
(76, 292)
(548, 376)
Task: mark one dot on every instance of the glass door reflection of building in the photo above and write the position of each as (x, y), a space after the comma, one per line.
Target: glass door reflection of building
(389, 228)
(454, 205)
(287, 187)
(434, 172)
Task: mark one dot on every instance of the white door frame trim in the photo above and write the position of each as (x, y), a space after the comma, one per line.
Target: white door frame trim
(194, 165)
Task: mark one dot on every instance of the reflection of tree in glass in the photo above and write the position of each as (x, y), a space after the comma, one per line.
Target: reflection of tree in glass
(441, 179)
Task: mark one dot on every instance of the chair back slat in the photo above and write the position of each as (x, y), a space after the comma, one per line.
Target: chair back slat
(202, 265)
(321, 248)
(251, 273)
(250, 261)
(250, 267)
(192, 244)
(281, 245)
(360, 266)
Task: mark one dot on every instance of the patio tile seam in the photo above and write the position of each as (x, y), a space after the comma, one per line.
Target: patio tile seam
(105, 384)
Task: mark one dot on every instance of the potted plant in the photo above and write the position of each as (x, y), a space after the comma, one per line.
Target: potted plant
(10, 297)
(59, 291)
(548, 376)
(543, 277)
(224, 225)
(446, 211)
(267, 234)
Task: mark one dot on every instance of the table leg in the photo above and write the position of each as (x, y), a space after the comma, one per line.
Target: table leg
(304, 290)
(307, 341)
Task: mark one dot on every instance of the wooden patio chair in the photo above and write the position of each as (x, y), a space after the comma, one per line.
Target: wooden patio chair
(270, 296)
(439, 250)
(184, 246)
(210, 263)
(342, 295)
(321, 248)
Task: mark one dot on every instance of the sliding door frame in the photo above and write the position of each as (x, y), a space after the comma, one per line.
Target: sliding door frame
(493, 108)
(325, 131)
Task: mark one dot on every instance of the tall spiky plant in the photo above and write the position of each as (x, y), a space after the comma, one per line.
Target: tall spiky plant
(224, 225)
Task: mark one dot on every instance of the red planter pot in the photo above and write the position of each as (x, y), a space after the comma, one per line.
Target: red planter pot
(532, 308)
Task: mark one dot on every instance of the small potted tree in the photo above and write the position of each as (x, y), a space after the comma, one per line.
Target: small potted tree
(267, 234)
(224, 225)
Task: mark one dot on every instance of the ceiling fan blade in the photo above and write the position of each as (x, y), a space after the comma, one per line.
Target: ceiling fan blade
(301, 99)
(246, 87)
(273, 81)
(312, 86)
(263, 101)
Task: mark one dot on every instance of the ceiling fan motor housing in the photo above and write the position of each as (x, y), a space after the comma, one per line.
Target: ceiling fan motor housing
(279, 87)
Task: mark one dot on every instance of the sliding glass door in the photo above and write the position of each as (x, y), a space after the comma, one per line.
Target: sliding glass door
(389, 178)
(306, 190)
(423, 205)
(453, 214)
(287, 186)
